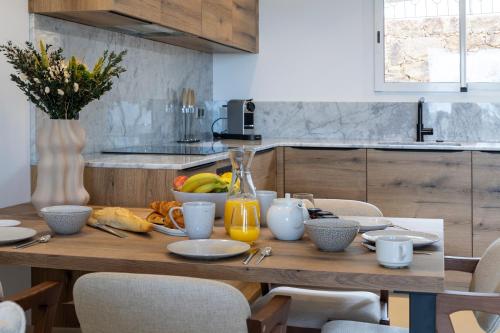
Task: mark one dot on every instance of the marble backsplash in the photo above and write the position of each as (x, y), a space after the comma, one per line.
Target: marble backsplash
(142, 108)
(464, 122)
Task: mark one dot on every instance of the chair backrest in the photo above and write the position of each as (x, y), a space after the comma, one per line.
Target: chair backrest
(348, 207)
(131, 303)
(12, 318)
(486, 279)
(1, 291)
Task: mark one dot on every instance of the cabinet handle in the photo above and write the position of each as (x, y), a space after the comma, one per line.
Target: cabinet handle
(490, 151)
(200, 166)
(326, 148)
(421, 150)
(224, 169)
(263, 151)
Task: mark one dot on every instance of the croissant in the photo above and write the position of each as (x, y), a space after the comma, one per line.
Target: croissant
(120, 218)
(162, 208)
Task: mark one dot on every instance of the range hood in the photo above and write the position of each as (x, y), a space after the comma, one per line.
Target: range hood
(146, 30)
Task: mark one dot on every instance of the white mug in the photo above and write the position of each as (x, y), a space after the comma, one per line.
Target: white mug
(199, 219)
(394, 251)
(265, 201)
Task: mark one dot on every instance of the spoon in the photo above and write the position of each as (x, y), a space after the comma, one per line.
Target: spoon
(265, 252)
(42, 239)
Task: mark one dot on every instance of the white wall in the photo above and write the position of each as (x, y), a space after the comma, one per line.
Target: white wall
(14, 131)
(319, 50)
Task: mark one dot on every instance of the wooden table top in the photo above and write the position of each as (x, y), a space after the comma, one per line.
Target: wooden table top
(292, 263)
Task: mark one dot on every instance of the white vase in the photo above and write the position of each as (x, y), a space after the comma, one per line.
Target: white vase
(60, 166)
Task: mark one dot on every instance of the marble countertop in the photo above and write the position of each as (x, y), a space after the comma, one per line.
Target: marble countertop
(178, 162)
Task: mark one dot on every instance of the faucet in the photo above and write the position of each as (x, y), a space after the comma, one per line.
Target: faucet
(421, 130)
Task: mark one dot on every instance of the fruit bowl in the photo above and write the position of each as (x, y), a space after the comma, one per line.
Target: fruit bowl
(219, 199)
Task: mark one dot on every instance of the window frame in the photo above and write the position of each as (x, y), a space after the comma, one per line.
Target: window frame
(379, 54)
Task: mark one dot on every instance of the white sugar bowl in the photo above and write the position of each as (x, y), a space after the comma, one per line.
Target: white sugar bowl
(285, 218)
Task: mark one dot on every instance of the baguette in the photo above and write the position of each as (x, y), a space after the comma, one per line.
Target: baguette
(120, 218)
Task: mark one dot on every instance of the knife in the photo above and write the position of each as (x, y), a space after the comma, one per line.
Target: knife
(250, 255)
(110, 230)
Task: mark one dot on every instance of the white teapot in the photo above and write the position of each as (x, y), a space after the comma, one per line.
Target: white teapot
(286, 218)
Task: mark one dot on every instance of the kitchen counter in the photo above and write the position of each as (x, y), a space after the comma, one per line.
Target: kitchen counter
(178, 162)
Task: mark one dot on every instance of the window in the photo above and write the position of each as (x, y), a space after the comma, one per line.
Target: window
(437, 45)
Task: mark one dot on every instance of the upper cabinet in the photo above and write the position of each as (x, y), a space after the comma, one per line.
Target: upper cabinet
(214, 26)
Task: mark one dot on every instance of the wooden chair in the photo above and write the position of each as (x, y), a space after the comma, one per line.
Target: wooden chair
(348, 207)
(312, 308)
(43, 297)
(483, 298)
(131, 303)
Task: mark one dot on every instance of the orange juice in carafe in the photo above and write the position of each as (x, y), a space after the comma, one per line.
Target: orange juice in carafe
(242, 211)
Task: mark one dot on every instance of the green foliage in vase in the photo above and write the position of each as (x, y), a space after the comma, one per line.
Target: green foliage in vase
(59, 87)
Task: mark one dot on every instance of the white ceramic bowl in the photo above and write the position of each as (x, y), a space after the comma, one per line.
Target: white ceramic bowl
(332, 235)
(66, 220)
(219, 199)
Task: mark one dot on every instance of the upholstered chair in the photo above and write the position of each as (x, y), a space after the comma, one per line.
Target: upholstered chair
(131, 303)
(312, 308)
(43, 297)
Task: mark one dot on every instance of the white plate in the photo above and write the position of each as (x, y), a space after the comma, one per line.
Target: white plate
(367, 223)
(15, 234)
(419, 238)
(169, 231)
(9, 223)
(208, 249)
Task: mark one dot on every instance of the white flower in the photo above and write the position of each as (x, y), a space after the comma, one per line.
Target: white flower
(66, 80)
(60, 92)
(36, 80)
(47, 90)
(76, 87)
(23, 77)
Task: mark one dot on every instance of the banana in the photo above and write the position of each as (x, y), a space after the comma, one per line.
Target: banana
(193, 182)
(211, 187)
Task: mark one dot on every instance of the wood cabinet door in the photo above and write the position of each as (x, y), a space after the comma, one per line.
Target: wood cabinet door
(326, 173)
(184, 15)
(486, 200)
(264, 170)
(246, 24)
(426, 184)
(216, 20)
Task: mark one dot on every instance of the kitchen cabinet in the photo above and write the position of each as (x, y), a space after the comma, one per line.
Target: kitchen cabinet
(226, 26)
(326, 173)
(264, 170)
(426, 184)
(485, 199)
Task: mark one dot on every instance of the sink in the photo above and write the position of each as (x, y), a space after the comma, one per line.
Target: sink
(428, 143)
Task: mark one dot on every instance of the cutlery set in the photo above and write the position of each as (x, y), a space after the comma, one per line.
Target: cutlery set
(264, 252)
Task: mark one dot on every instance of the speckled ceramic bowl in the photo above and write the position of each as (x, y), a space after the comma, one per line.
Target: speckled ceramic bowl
(66, 220)
(332, 235)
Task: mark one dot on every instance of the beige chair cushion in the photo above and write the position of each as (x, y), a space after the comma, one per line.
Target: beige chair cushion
(313, 308)
(132, 303)
(348, 207)
(343, 326)
(486, 279)
(12, 318)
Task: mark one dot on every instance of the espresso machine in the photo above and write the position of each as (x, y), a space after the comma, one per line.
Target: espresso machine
(240, 120)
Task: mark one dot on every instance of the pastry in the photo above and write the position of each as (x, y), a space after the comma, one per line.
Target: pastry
(120, 218)
(162, 208)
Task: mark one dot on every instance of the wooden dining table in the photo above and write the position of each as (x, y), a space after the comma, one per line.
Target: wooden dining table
(297, 263)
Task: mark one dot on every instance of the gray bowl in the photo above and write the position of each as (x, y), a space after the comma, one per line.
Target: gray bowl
(66, 220)
(332, 235)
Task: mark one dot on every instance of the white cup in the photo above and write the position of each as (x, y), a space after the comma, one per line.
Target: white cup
(265, 201)
(394, 251)
(199, 219)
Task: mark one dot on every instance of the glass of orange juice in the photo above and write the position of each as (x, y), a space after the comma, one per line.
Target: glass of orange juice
(243, 215)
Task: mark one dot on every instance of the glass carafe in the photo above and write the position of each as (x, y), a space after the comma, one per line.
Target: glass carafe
(242, 211)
